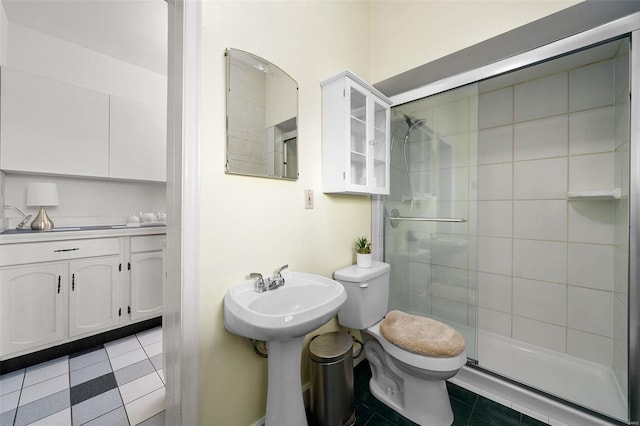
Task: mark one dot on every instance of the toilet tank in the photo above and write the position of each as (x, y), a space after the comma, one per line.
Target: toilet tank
(367, 294)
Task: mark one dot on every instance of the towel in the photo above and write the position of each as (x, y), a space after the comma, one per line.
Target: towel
(422, 335)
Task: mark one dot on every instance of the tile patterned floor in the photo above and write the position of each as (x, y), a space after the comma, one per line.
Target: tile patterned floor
(468, 408)
(119, 383)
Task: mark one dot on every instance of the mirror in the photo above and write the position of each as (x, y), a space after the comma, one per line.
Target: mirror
(262, 118)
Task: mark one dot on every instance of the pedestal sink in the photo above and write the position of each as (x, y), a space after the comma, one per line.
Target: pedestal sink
(282, 317)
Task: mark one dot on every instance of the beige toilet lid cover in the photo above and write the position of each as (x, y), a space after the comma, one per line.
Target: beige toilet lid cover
(421, 335)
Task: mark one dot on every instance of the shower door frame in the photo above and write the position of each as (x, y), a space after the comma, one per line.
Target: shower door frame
(629, 25)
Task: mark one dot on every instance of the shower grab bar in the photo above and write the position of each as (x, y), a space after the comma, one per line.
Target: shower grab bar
(428, 219)
(395, 217)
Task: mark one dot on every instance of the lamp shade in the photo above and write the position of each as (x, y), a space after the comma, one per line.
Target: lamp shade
(42, 194)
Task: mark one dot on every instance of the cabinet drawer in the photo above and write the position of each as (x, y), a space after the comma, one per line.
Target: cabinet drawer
(15, 254)
(146, 243)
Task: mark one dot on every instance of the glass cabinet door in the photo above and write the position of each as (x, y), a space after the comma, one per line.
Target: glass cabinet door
(379, 146)
(358, 126)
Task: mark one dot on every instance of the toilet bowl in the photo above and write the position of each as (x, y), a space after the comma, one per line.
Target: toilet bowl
(411, 383)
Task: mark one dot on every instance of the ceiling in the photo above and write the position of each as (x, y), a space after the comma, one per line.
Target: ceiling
(133, 31)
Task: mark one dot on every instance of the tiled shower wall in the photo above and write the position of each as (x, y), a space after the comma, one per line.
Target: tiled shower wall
(546, 262)
(530, 263)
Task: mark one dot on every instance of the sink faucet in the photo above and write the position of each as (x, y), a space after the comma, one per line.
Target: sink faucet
(259, 285)
(25, 217)
(277, 280)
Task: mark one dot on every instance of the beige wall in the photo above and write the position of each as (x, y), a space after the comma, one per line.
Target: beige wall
(407, 34)
(254, 224)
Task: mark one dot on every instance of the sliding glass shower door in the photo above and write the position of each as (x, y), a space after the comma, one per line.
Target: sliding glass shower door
(523, 180)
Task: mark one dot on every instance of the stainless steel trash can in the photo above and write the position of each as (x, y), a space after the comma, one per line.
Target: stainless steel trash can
(332, 380)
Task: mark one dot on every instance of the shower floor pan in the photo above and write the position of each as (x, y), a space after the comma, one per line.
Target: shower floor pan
(582, 382)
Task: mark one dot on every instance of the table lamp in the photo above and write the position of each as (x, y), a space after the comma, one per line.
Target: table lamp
(42, 194)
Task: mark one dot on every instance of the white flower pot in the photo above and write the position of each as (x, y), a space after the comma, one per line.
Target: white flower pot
(363, 260)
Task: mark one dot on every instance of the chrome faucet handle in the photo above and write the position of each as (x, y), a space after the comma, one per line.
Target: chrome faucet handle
(24, 222)
(259, 285)
(277, 273)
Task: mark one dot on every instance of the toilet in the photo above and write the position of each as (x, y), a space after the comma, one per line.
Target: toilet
(410, 356)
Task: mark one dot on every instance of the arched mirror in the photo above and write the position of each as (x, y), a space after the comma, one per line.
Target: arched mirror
(262, 118)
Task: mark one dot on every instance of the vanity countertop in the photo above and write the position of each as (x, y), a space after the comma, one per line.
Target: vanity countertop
(12, 236)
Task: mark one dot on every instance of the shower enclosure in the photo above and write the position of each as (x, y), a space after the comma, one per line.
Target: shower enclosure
(509, 219)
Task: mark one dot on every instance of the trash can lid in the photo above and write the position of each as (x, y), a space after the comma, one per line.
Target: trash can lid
(330, 347)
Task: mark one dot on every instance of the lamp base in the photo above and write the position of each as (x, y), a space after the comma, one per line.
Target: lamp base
(42, 221)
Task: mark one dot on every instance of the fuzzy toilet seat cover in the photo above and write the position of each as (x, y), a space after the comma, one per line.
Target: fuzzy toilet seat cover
(421, 335)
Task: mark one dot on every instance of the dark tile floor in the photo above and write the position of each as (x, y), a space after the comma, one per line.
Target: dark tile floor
(468, 408)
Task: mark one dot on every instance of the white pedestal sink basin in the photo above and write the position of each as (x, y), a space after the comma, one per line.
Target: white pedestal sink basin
(282, 317)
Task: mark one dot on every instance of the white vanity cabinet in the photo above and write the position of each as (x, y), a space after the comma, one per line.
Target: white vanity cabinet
(146, 277)
(94, 303)
(32, 306)
(355, 136)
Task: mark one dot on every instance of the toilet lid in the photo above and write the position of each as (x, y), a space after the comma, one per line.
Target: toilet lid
(421, 335)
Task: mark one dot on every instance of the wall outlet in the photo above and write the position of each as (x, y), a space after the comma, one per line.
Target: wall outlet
(308, 198)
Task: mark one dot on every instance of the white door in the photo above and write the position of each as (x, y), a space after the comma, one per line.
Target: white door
(146, 285)
(93, 294)
(31, 306)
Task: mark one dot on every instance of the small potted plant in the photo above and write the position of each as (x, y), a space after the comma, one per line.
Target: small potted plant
(362, 247)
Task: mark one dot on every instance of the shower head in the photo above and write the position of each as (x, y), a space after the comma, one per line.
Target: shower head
(413, 122)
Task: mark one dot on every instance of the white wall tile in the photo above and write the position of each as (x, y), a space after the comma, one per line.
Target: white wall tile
(591, 265)
(494, 322)
(539, 333)
(495, 218)
(494, 292)
(590, 310)
(448, 310)
(587, 172)
(540, 301)
(451, 118)
(591, 221)
(495, 108)
(494, 255)
(590, 347)
(540, 219)
(592, 131)
(540, 179)
(540, 98)
(544, 138)
(591, 86)
(495, 182)
(540, 260)
(495, 145)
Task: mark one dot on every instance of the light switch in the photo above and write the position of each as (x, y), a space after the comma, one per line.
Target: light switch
(308, 198)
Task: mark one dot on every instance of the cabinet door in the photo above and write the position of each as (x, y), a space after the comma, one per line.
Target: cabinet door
(138, 140)
(48, 126)
(358, 147)
(369, 141)
(31, 306)
(93, 295)
(146, 285)
(379, 147)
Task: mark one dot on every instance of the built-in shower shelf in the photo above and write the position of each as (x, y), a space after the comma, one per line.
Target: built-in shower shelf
(595, 194)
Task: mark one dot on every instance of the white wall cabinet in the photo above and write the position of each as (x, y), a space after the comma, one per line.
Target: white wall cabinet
(32, 306)
(94, 302)
(138, 140)
(52, 127)
(47, 126)
(146, 277)
(355, 136)
(53, 292)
